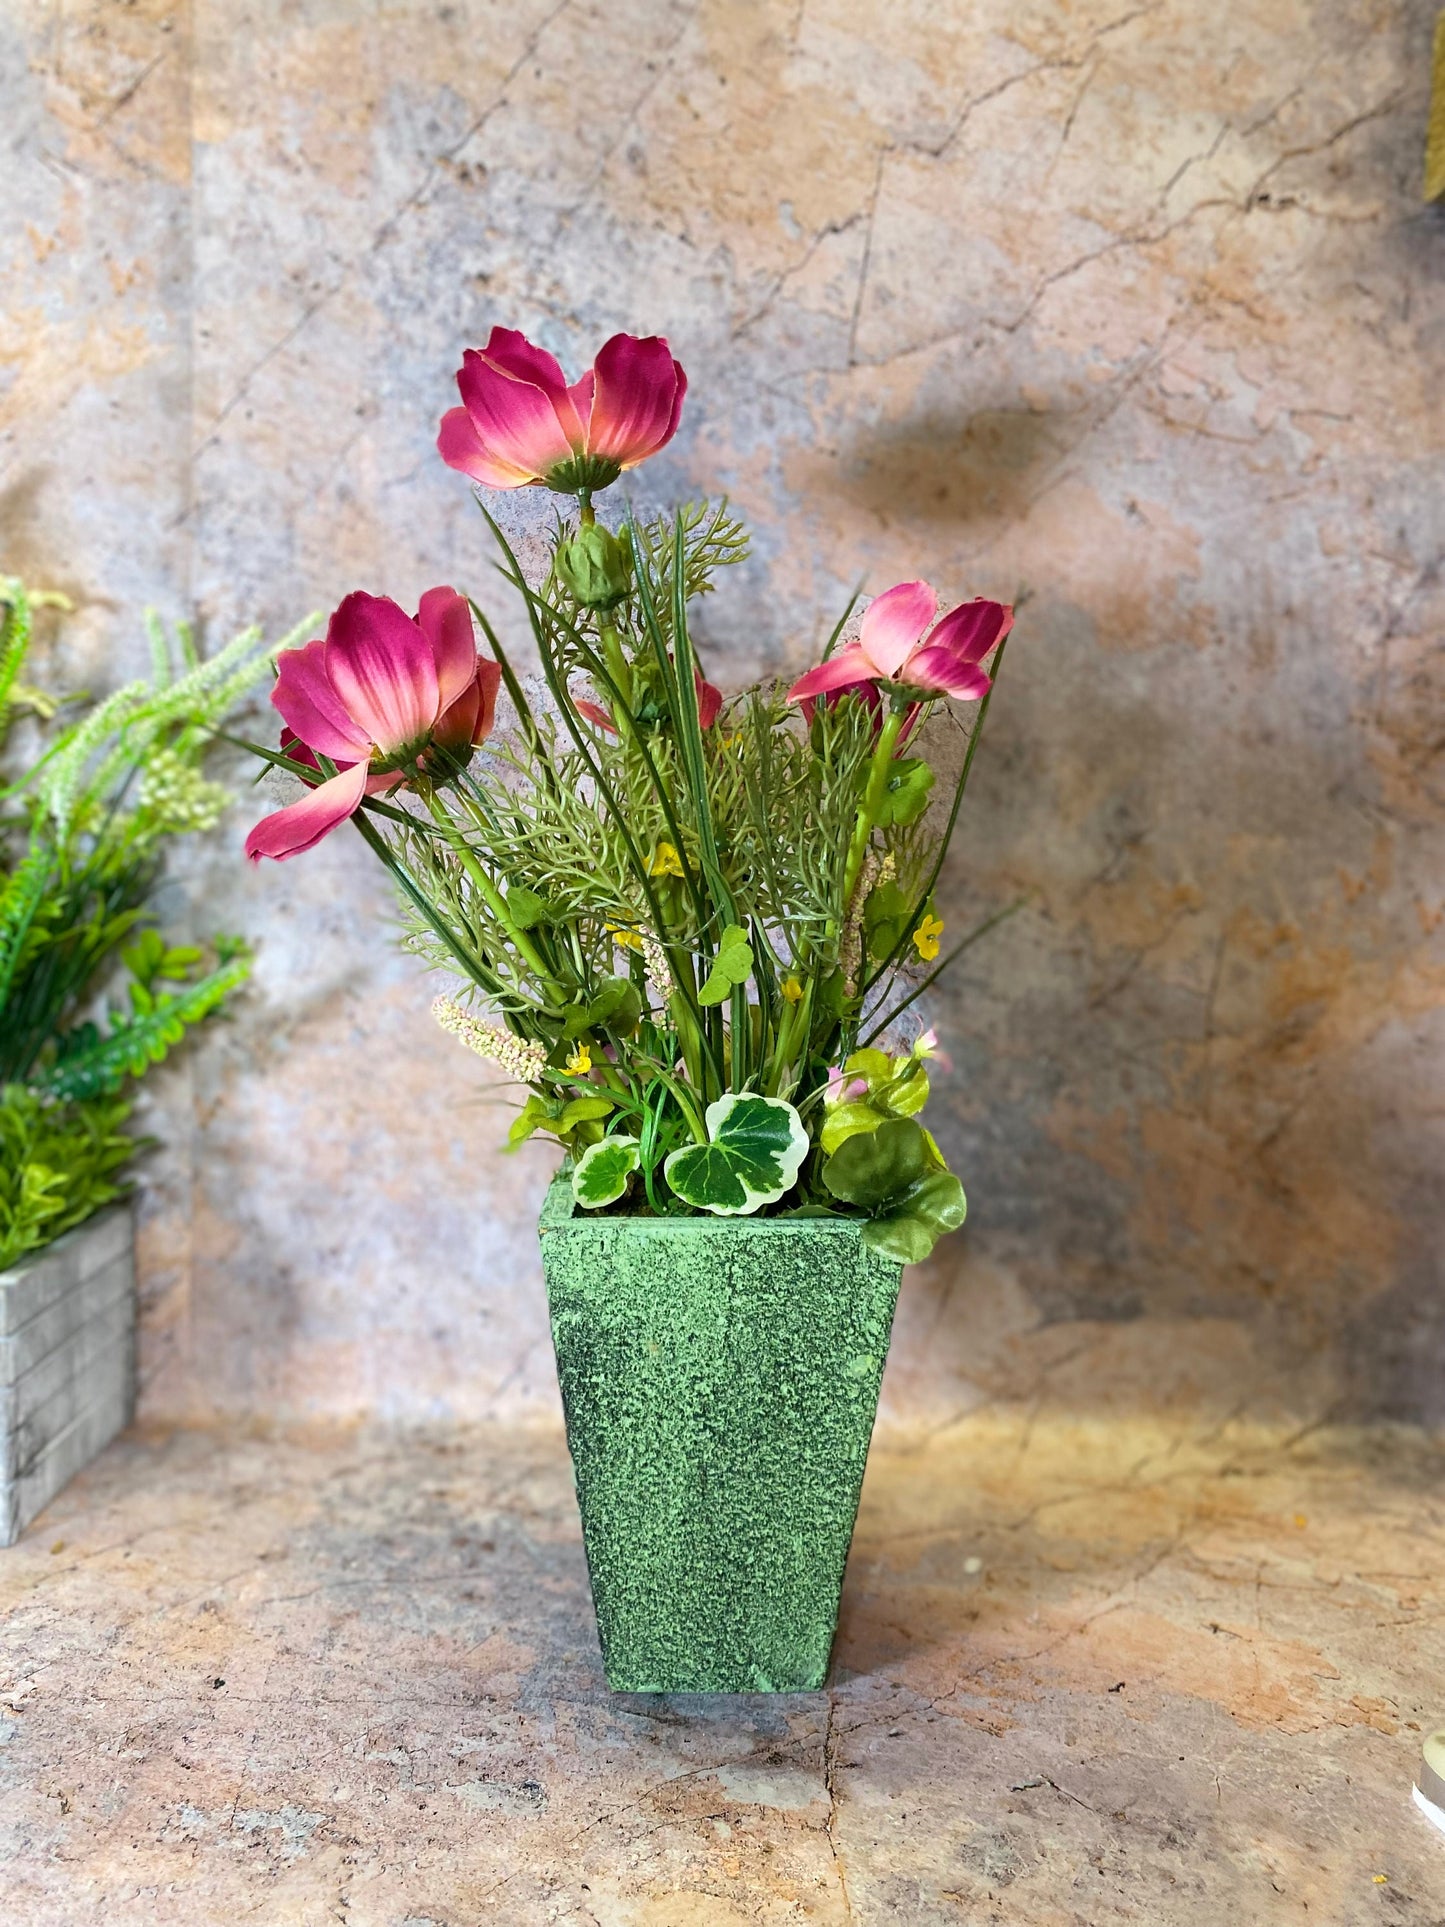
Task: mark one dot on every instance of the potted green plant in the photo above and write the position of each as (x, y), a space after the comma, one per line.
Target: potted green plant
(84, 823)
(692, 926)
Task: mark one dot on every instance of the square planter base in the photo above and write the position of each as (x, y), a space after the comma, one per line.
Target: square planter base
(720, 1378)
(67, 1361)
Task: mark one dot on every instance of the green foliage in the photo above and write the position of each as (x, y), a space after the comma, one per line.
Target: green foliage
(892, 1173)
(731, 967)
(602, 1172)
(906, 793)
(81, 851)
(59, 1163)
(890, 1087)
(753, 885)
(755, 1146)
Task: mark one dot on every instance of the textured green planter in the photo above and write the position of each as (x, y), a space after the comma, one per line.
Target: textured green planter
(720, 1378)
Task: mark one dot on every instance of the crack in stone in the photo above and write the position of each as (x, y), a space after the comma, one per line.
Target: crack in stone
(830, 1768)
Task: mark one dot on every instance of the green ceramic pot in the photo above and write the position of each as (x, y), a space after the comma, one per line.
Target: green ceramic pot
(720, 1378)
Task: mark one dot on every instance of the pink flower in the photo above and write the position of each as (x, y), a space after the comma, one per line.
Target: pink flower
(843, 1089)
(892, 647)
(709, 702)
(381, 694)
(520, 423)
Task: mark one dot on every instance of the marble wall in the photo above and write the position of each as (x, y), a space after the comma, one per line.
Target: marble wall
(1134, 306)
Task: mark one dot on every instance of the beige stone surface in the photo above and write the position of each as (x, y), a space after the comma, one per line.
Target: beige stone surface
(1135, 305)
(1091, 1670)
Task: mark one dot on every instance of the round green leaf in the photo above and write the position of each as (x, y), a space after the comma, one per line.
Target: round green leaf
(755, 1147)
(908, 1231)
(905, 795)
(848, 1120)
(600, 1175)
(732, 965)
(875, 1167)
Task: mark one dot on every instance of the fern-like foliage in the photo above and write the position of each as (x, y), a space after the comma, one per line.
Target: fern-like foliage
(59, 1163)
(82, 845)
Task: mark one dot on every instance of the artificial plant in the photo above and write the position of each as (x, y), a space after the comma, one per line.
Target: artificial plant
(685, 922)
(91, 993)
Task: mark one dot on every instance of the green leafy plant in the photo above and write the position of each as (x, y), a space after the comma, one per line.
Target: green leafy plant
(84, 824)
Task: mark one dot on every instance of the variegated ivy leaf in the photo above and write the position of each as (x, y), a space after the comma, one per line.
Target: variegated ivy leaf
(755, 1146)
(600, 1175)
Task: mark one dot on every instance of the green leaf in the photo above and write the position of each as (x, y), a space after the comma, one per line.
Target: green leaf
(534, 1114)
(907, 1090)
(755, 1147)
(618, 1005)
(875, 1065)
(732, 965)
(906, 793)
(526, 908)
(885, 918)
(875, 1167)
(601, 1173)
(848, 1120)
(913, 1223)
(582, 1109)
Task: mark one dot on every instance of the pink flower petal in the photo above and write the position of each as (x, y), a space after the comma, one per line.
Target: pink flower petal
(466, 722)
(510, 351)
(460, 447)
(709, 700)
(595, 713)
(971, 630)
(940, 669)
(300, 826)
(445, 619)
(842, 671)
(382, 667)
(516, 424)
(312, 709)
(637, 399)
(580, 394)
(893, 622)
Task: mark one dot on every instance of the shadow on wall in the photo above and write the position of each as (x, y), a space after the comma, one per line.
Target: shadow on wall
(952, 469)
(1186, 1074)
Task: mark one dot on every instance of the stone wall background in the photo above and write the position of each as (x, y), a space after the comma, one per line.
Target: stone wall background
(1135, 305)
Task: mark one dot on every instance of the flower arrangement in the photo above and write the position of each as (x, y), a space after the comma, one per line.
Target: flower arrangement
(684, 921)
(84, 824)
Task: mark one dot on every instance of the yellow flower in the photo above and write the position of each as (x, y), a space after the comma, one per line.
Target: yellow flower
(792, 990)
(665, 862)
(624, 938)
(926, 936)
(580, 1062)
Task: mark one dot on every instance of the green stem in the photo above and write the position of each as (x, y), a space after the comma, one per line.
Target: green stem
(491, 895)
(616, 661)
(586, 514)
(872, 802)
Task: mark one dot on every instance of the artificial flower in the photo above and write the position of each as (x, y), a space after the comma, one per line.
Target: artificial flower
(520, 1059)
(383, 695)
(580, 1062)
(624, 938)
(520, 423)
(843, 1088)
(925, 937)
(893, 648)
(665, 862)
(791, 990)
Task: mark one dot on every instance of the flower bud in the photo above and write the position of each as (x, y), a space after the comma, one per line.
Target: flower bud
(594, 568)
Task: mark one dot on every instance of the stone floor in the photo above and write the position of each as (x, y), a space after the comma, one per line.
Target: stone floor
(1088, 1673)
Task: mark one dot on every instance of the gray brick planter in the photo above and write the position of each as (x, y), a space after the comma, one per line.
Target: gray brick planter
(67, 1361)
